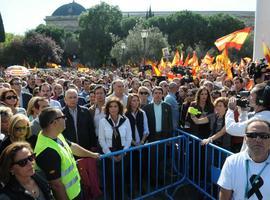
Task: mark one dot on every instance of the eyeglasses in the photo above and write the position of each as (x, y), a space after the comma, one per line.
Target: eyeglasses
(144, 93)
(11, 97)
(263, 136)
(60, 117)
(23, 162)
(23, 128)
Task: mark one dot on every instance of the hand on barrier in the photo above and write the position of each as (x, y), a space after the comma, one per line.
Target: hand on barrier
(117, 158)
(96, 155)
(206, 141)
(194, 111)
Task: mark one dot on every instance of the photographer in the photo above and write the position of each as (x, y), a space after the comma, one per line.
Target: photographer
(258, 71)
(259, 101)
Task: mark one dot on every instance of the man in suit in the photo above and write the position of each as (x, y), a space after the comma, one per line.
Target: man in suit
(79, 123)
(16, 84)
(159, 117)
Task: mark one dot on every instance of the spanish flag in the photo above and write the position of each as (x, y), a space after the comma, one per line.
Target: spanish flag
(233, 40)
(176, 59)
(208, 59)
(266, 52)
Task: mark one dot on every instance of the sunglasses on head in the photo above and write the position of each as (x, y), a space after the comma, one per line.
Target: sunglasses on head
(21, 128)
(263, 136)
(23, 162)
(11, 97)
(144, 93)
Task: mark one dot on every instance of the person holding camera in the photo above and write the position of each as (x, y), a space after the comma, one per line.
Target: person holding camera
(258, 101)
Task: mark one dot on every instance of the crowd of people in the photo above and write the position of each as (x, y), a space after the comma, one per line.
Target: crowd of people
(51, 119)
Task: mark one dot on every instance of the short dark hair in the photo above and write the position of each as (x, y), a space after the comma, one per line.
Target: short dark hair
(157, 88)
(113, 100)
(100, 87)
(47, 84)
(47, 116)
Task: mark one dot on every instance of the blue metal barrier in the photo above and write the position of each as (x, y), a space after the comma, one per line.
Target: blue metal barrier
(163, 166)
(160, 166)
(205, 163)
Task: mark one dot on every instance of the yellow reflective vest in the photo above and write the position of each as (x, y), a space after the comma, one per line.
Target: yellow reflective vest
(70, 176)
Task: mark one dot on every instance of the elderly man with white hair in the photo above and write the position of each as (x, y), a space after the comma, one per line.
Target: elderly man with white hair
(79, 123)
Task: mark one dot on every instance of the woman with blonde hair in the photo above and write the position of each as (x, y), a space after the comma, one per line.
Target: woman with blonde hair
(19, 130)
(18, 175)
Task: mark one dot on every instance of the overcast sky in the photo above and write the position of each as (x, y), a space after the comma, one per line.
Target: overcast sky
(21, 15)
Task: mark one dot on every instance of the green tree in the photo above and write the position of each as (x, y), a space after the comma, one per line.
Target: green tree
(97, 26)
(12, 52)
(41, 49)
(56, 33)
(186, 27)
(2, 30)
(149, 13)
(127, 24)
(134, 51)
(220, 25)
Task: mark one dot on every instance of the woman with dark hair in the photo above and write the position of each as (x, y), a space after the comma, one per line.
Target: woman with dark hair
(18, 175)
(190, 97)
(217, 124)
(19, 130)
(114, 134)
(203, 103)
(9, 98)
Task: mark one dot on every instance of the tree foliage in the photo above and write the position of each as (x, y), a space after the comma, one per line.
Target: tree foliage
(95, 35)
(2, 30)
(134, 51)
(57, 34)
(41, 49)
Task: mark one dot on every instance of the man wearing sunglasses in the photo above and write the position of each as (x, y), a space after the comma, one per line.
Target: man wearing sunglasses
(54, 156)
(245, 175)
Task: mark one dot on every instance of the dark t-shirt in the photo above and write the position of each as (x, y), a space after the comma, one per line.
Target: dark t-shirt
(49, 162)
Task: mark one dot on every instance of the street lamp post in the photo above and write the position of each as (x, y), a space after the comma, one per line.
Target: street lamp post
(123, 47)
(144, 35)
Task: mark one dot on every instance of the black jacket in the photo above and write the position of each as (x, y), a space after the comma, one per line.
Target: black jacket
(14, 191)
(85, 128)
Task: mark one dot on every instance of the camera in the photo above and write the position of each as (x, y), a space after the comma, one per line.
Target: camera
(256, 70)
(241, 99)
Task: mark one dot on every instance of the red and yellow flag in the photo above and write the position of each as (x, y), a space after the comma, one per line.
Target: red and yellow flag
(155, 70)
(187, 60)
(266, 52)
(176, 59)
(208, 59)
(235, 39)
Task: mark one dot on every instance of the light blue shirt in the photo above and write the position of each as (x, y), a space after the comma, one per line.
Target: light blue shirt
(171, 100)
(158, 116)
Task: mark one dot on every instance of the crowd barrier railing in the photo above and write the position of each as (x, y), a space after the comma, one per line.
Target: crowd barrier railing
(204, 164)
(162, 166)
(145, 170)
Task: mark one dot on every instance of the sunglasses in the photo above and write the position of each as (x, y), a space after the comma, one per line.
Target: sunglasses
(23, 128)
(144, 93)
(60, 117)
(23, 162)
(11, 97)
(263, 136)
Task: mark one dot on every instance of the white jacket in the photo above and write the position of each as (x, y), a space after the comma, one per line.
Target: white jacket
(238, 128)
